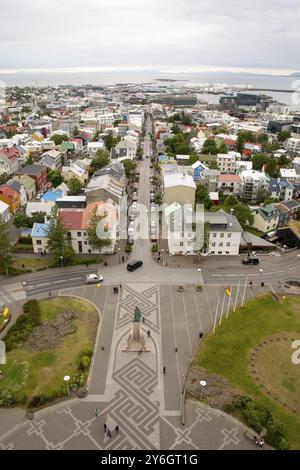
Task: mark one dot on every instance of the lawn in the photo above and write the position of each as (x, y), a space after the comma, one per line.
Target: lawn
(228, 353)
(28, 374)
(31, 263)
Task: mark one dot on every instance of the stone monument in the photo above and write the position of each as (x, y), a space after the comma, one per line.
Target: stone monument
(136, 341)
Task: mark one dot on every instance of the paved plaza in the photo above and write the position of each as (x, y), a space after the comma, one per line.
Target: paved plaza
(131, 390)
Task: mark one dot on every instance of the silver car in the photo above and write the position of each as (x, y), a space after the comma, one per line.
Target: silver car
(93, 278)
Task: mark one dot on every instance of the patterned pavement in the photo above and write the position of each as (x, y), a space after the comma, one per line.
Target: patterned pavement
(131, 391)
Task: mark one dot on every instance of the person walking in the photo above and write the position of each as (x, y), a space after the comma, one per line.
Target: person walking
(117, 429)
(250, 284)
(50, 294)
(97, 412)
(148, 333)
(261, 442)
(105, 428)
(108, 433)
(164, 369)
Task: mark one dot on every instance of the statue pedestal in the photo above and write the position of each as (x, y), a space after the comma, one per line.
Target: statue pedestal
(136, 341)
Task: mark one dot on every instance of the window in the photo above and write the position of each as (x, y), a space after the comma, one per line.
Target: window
(229, 235)
(181, 244)
(85, 242)
(39, 242)
(219, 252)
(78, 234)
(221, 244)
(213, 244)
(214, 235)
(227, 252)
(221, 235)
(228, 244)
(212, 252)
(84, 234)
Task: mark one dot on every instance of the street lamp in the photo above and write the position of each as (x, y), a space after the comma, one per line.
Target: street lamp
(61, 261)
(162, 256)
(202, 384)
(119, 251)
(67, 379)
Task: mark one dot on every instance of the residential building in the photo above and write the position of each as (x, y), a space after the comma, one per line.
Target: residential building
(71, 202)
(293, 208)
(39, 206)
(18, 186)
(253, 181)
(223, 234)
(227, 161)
(283, 215)
(210, 178)
(178, 188)
(8, 160)
(75, 170)
(281, 189)
(28, 183)
(230, 184)
(289, 174)
(39, 236)
(38, 173)
(293, 145)
(4, 211)
(11, 197)
(265, 218)
(104, 187)
(52, 160)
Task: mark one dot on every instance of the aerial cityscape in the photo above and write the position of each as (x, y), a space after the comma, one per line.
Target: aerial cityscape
(149, 228)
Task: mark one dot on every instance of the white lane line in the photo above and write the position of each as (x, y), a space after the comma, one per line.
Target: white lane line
(292, 269)
(216, 275)
(40, 285)
(58, 282)
(75, 278)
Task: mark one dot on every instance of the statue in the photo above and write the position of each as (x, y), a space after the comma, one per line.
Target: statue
(137, 314)
(136, 341)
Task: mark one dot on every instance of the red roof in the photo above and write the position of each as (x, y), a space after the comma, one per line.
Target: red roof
(229, 178)
(72, 220)
(229, 142)
(247, 152)
(12, 153)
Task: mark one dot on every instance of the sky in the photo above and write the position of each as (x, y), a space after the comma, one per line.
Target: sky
(153, 34)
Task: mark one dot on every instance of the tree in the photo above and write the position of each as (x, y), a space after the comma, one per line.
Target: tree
(283, 136)
(100, 161)
(110, 141)
(4, 177)
(75, 185)
(58, 243)
(6, 259)
(244, 136)
(241, 211)
(222, 148)
(262, 194)
(94, 229)
(202, 196)
(76, 132)
(117, 122)
(210, 147)
(129, 166)
(21, 220)
(59, 138)
(55, 177)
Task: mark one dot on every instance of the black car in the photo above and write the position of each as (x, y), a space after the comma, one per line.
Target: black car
(253, 261)
(133, 265)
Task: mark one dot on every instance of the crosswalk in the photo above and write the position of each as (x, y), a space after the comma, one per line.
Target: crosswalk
(12, 293)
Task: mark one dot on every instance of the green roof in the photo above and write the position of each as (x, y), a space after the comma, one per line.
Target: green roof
(67, 146)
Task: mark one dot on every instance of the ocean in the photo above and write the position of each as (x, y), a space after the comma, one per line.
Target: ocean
(279, 82)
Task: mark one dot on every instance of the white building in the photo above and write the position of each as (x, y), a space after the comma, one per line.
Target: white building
(227, 161)
(253, 181)
(293, 145)
(224, 233)
(4, 211)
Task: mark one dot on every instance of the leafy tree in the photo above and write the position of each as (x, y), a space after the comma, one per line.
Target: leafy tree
(263, 139)
(76, 132)
(29, 160)
(6, 259)
(244, 136)
(283, 136)
(55, 177)
(202, 196)
(58, 243)
(75, 185)
(129, 166)
(262, 194)
(59, 139)
(222, 148)
(21, 220)
(110, 141)
(100, 161)
(241, 211)
(117, 122)
(210, 147)
(93, 231)
(176, 129)
(178, 145)
(4, 177)
(38, 217)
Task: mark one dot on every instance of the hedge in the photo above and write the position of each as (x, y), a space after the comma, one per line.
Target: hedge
(24, 325)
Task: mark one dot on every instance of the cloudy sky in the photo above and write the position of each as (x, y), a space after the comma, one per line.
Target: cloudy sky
(153, 33)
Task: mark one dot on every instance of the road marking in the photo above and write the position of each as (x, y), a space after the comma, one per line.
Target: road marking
(61, 280)
(75, 278)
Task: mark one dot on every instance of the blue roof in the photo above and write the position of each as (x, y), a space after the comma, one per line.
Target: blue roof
(52, 195)
(39, 230)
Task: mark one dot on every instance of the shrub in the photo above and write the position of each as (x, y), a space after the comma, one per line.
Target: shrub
(78, 380)
(276, 435)
(128, 248)
(85, 363)
(154, 248)
(7, 399)
(24, 325)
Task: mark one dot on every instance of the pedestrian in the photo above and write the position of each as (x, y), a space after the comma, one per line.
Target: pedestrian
(108, 433)
(141, 350)
(49, 295)
(117, 429)
(200, 335)
(250, 284)
(176, 349)
(148, 333)
(97, 412)
(102, 348)
(164, 369)
(261, 442)
(143, 319)
(105, 428)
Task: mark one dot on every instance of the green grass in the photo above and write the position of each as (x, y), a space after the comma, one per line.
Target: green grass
(32, 263)
(227, 351)
(28, 374)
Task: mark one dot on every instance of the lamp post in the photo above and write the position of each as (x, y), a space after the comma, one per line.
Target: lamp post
(162, 256)
(119, 251)
(67, 379)
(202, 384)
(61, 261)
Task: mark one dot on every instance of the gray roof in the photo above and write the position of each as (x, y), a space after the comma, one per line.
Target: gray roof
(291, 204)
(15, 185)
(114, 169)
(29, 170)
(254, 240)
(222, 221)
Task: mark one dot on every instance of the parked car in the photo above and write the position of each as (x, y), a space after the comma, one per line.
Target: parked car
(133, 265)
(134, 196)
(93, 278)
(253, 261)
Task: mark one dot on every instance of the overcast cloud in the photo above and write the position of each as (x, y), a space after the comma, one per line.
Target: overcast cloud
(129, 33)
